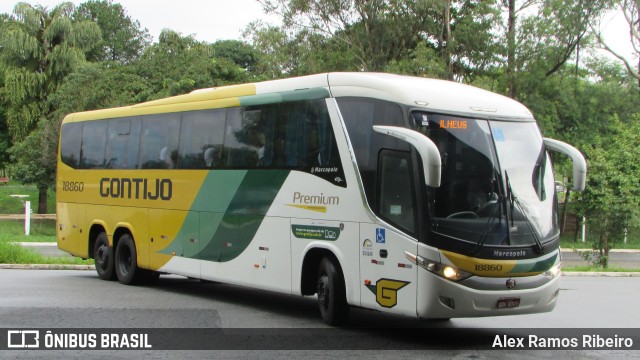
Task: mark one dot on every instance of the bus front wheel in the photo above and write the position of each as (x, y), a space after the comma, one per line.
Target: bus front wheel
(331, 293)
(126, 262)
(103, 258)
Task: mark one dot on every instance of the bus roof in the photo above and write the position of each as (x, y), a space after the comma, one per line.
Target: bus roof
(420, 93)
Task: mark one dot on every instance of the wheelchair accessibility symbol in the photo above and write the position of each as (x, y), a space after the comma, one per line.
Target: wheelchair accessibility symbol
(380, 236)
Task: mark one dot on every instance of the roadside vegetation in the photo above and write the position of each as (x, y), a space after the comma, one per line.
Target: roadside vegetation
(12, 253)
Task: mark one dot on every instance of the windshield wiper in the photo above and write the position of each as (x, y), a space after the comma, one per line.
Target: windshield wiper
(492, 219)
(513, 201)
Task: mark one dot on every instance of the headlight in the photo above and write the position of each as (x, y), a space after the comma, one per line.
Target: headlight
(553, 272)
(446, 271)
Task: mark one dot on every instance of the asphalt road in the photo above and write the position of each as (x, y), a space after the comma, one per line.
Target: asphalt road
(78, 299)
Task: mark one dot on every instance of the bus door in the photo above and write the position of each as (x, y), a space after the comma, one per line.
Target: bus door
(388, 277)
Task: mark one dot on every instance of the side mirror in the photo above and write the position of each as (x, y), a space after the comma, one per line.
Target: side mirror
(579, 163)
(428, 151)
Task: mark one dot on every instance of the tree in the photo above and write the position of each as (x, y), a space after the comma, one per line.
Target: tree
(123, 39)
(5, 139)
(381, 35)
(178, 64)
(376, 31)
(35, 159)
(102, 85)
(238, 52)
(611, 202)
(40, 48)
(631, 11)
(282, 53)
(542, 36)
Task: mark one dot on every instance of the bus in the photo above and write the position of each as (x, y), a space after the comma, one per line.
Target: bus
(408, 195)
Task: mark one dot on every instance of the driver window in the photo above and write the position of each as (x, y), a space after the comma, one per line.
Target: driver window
(396, 198)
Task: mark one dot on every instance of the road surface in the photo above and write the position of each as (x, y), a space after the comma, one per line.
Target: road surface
(78, 299)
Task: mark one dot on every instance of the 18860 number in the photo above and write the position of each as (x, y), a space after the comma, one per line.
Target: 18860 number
(488, 267)
(76, 186)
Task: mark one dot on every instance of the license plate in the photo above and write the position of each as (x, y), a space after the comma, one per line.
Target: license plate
(508, 303)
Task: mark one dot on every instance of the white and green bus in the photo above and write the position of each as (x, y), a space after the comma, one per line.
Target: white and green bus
(408, 195)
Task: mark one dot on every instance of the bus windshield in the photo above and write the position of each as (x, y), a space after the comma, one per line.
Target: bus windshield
(497, 183)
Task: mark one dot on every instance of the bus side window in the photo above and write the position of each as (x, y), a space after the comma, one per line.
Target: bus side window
(94, 143)
(159, 144)
(201, 137)
(241, 139)
(122, 143)
(71, 143)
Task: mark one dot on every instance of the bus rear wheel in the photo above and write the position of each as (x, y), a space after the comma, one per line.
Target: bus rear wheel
(126, 263)
(103, 258)
(331, 293)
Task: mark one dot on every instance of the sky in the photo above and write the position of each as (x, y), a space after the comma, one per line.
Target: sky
(207, 20)
(213, 20)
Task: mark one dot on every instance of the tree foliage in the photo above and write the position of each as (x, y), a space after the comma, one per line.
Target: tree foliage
(630, 9)
(123, 39)
(39, 49)
(611, 202)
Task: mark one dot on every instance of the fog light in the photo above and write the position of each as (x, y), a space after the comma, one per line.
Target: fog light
(447, 301)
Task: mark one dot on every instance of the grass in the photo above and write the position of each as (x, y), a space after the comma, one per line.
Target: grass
(11, 205)
(11, 253)
(41, 231)
(566, 242)
(597, 269)
(13, 230)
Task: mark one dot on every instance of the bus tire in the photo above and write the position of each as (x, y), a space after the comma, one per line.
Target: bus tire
(331, 291)
(126, 262)
(103, 258)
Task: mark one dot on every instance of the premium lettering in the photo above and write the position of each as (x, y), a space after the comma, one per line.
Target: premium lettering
(299, 198)
(136, 188)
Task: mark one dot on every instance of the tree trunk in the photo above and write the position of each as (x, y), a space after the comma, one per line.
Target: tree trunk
(511, 49)
(605, 263)
(42, 200)
(563, 218)
(446, 30)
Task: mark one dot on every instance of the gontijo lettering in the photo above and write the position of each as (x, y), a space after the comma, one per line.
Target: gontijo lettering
(136, 188)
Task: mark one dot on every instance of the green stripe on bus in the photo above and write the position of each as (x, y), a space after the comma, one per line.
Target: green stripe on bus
(534, 265)
(242, 219)
(213, 199)
(285, 96)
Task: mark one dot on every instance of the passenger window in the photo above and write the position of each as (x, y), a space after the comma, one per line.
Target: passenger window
(94, 141)
(201, 137)
(242, 139)
(159, 144)
(122, 144)
(71, 144)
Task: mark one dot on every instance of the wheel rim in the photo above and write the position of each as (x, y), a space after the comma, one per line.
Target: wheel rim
(102, 257)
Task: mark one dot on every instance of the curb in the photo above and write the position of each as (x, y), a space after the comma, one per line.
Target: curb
(600, 274)
(628, 251)
(46, 267)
